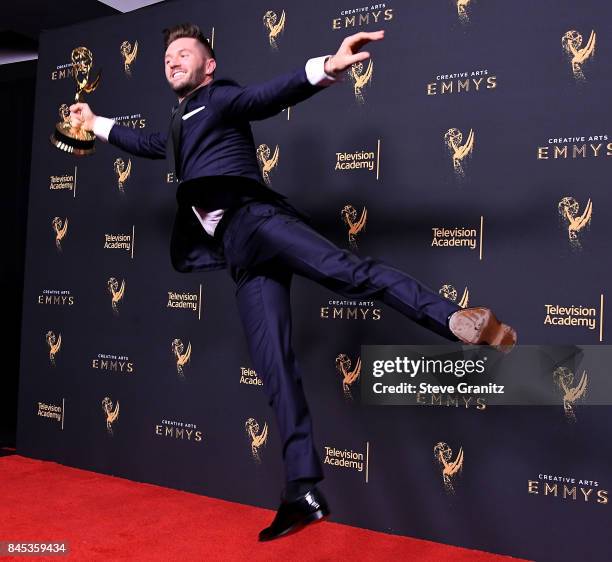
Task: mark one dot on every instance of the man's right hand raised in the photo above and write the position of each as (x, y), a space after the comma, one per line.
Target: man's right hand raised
(82, 115)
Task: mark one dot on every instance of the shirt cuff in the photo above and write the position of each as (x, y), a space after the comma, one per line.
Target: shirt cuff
(102, 127)
(315, 72)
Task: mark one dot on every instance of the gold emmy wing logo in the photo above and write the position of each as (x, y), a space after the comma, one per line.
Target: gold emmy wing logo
(267, 164)
(360, 78)
(450, 292)
(450, 468)
(462, 10)
(129, 54)
(258, 439)
(60, 228)
(572, 43)
(117, 292)
(349, 376)
(569, 210)
(453, 139)
(355, 225)
(274, 26)
(55, 343)
(122, 171)
(571, 394)
(182, 357)
(112, 414)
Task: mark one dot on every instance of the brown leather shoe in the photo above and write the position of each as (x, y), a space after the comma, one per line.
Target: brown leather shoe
(480, 326)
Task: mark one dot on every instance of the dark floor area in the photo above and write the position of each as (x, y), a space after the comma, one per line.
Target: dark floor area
(17, 86)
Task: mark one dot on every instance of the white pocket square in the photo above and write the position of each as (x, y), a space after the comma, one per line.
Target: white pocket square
(188, 115)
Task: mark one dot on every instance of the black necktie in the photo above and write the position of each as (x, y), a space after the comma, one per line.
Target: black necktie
(173, 143)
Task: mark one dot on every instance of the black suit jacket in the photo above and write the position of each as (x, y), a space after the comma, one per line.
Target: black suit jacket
(219, 166)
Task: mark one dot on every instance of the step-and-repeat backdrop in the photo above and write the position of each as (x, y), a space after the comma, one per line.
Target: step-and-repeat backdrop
(472, 150)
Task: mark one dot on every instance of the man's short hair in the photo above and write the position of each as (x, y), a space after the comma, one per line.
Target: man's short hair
(187, 30)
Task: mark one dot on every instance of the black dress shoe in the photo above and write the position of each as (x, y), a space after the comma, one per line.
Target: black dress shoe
(293, 515)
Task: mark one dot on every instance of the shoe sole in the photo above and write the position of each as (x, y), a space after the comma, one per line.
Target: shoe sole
(315, 517)
(494, 333)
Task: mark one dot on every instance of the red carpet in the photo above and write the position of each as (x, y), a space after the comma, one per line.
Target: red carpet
(108, 518)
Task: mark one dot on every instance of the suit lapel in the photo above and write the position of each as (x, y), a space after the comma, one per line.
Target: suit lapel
(173, 143)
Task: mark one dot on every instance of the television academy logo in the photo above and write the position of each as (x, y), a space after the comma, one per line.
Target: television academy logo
(571, 394)
(192, 302)
(578, 55)
(129, 55)
(569, 210)
(459, 237)
(116, 292)
(576, 316)
(121, 241)
(463, 8)
(459, 152)
(257, 438)
(450, 468)
(122, 172)
(55, 344)
(360, 78)
(349, 459)
(111, 413)
(64, 182)
(181, 356)
(54, 412)
(450, 292)
(349, 375)
(60, 227)
(355, 225)
(250, 377)
(359, 160)
(266, 162)
(274, 26)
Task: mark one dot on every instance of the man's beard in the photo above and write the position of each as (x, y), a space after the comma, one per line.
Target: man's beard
(186, 88)
(183, 90)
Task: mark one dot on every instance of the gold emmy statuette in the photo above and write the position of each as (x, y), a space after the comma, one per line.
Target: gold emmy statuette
(76, 140)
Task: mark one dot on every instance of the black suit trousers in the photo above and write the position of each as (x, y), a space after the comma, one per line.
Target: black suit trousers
(264, 245)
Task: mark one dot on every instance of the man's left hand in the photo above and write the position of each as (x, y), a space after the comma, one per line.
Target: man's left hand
(349, 51)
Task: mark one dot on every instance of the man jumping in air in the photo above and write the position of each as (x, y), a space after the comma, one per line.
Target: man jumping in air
(227, 217)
